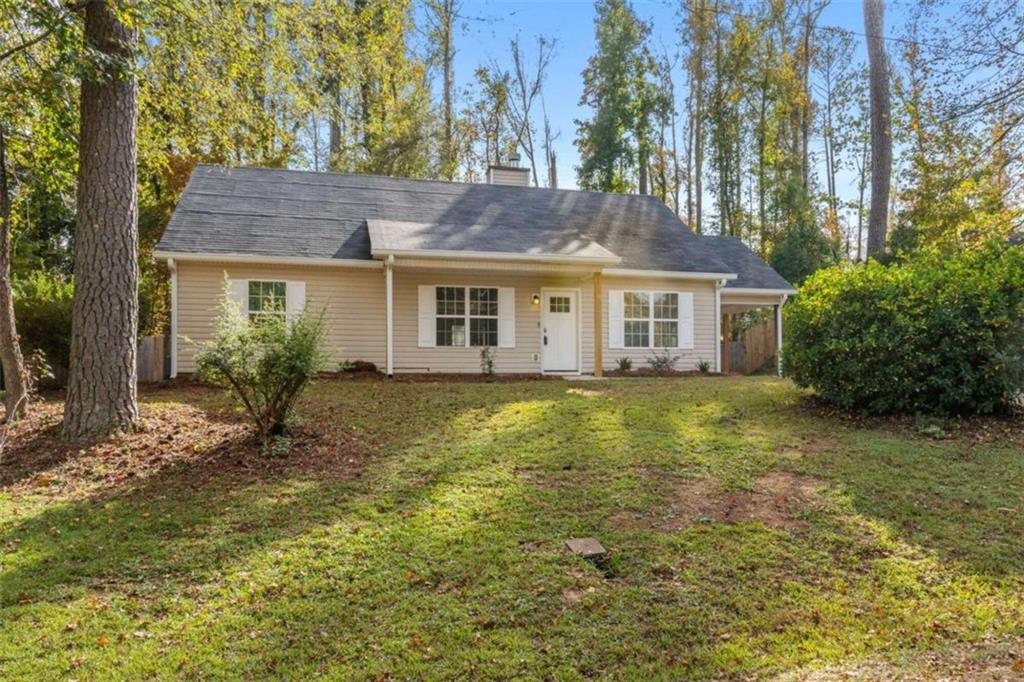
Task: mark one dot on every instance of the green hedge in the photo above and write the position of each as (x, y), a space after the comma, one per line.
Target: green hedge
(932, 335)
(42, 310)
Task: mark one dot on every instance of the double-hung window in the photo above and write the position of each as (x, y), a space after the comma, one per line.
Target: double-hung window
(267, 302)
(665, 316)
(466, 316)
(636, 311)
(651, 319)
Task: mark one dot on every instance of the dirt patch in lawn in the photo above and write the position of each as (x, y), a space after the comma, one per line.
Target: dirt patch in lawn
(811, 446)
(776, 500)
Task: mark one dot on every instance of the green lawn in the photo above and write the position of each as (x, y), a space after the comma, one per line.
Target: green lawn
(417, 533)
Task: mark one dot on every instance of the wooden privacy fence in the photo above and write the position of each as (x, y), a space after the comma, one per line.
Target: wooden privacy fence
(751, 351)
(151, 361)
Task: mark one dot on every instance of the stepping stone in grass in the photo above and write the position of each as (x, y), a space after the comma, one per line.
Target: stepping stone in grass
(588, 548)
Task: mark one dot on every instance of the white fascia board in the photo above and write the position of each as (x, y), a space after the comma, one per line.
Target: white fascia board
(496, 256)
(669, 274)
(267, 260)
(766, 292)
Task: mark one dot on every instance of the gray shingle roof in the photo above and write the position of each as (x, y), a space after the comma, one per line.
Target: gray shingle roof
(753, 273)
(399, 235)
(272, 212)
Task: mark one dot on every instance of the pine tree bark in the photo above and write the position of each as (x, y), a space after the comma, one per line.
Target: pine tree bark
(15, 374)
(102, 391)
(881, 133)
(334, 125)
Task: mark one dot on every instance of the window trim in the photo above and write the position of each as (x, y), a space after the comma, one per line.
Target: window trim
(467, 316)
(650, 319)
(249, 312)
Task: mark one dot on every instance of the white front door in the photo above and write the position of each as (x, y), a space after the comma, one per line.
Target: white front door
(559, 329)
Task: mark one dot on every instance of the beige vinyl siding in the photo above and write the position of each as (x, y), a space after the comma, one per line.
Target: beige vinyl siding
(519, 177)
(352, 300)
(409, 357)
(703, 321)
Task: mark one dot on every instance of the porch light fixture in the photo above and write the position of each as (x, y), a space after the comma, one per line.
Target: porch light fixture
(536, 299)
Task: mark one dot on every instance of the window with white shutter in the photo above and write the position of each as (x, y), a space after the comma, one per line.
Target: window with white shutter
(462, 317)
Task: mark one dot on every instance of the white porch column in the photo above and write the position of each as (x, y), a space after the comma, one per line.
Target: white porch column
(173, 267)
(778, 333)
(390, 314)
(718, 324)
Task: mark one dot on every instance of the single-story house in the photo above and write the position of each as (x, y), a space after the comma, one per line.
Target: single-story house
(419, 275)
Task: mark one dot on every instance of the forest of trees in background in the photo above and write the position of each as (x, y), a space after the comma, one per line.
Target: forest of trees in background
(753, 122)
(757, 124)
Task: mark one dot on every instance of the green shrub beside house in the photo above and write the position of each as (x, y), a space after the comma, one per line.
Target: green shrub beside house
(931, 335)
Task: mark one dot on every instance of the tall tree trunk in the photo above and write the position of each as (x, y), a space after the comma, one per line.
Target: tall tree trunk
(698, 120)
(334, 125)
(643, 155)
(881, 133)
(102, 375)
(447, 20)
(15, 375)
(862, 184)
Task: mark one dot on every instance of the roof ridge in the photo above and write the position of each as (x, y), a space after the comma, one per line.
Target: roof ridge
(461, 183)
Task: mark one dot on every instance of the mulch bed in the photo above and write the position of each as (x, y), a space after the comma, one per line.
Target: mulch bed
(1008, 428)
(435, 377)
(648, 372)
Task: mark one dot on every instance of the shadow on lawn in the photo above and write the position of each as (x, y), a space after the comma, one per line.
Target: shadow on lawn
(196, 517)
(463, 479)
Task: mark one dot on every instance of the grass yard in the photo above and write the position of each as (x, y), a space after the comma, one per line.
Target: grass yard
(417, 533)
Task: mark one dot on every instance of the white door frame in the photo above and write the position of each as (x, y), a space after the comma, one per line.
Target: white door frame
(544, 291)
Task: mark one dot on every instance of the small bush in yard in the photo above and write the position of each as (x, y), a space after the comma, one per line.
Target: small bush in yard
(703, 366)
(625, 364)
(663, 362)
(932, 335)
(487, 360)
(264, 366)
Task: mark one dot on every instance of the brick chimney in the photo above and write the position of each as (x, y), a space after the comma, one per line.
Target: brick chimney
(509, 173)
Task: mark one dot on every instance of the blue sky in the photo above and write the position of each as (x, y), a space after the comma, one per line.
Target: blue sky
(490, 24)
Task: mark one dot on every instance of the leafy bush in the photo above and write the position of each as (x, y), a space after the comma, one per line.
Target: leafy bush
(42, 308)
(487, 360)
(703, 366)
(663, 362)
(932, 335)
(625, 364)
(264, 366)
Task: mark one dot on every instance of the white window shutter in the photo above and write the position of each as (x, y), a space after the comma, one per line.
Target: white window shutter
(238, 292)
(295, 299)
(427, 314)
(506, 317)
(616, 334)
(686, 320)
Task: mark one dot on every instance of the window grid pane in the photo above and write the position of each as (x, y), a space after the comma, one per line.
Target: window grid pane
(267, 302)
(666, 306)
(483, 302)
(666, 334)
(451, 331)
(559, 304)
(483, 331)
(635, 305)
(636, 334)
(451, 301)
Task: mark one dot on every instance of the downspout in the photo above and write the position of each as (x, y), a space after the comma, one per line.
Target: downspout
(718, 324)
(390, 313)
(173, 268)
